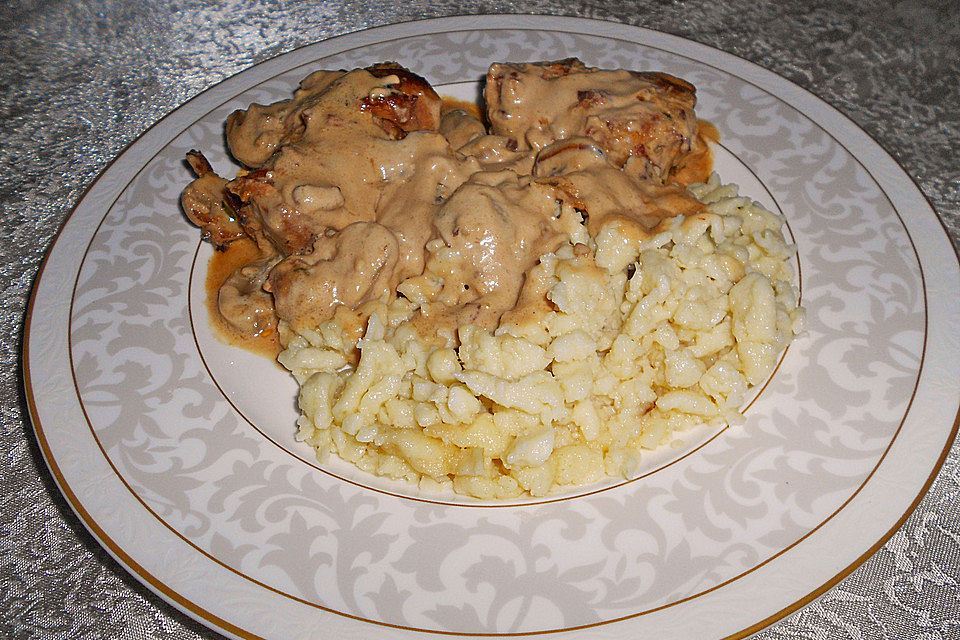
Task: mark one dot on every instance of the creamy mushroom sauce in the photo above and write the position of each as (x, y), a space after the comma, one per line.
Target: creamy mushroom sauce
(346, 183)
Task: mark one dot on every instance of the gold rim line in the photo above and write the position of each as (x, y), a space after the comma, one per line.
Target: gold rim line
(31, 398)
(157, 586)
(754, 568)
(115, 470)
(865, 555)
(162, 589)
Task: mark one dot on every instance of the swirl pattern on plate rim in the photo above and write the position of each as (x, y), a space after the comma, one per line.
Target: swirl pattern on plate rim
(817, 433)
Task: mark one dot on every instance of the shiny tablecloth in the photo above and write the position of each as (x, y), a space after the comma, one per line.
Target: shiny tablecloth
(82, 79)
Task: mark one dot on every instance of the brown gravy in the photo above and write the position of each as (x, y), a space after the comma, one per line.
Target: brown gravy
(452, 104)
(348, 227)
(219, 268)
(696, 167)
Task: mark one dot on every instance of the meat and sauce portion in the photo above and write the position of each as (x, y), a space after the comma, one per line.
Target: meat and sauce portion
(345, 185)
(643, 123)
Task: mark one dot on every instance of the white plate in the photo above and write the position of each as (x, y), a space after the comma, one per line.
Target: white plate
(178, 453)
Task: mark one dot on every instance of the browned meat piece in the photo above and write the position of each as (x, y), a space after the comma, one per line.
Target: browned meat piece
(410, 105)
(255, 133)
(342, 144)
(348, 268)
(499, 226)
(209, 205)
(403, 102)
(585, 180)
(643, 122)
(362, 153)
(460, 127)
(243, 302)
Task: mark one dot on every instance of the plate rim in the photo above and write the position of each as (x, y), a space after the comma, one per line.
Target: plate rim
(565, 24)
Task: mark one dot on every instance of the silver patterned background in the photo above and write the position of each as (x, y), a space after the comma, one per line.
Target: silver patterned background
(71, 106)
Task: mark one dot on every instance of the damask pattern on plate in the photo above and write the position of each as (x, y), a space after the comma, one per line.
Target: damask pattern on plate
(192, 476)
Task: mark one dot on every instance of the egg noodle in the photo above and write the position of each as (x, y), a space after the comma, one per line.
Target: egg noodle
(643, 339)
